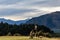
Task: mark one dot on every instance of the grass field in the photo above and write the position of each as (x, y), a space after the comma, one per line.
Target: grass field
(25, 38)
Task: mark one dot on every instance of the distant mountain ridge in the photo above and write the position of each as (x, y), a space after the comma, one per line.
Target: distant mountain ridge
(12, 22)
(51, 20)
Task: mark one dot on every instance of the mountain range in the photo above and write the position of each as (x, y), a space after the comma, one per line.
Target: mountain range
(13, 22)
(51, 20)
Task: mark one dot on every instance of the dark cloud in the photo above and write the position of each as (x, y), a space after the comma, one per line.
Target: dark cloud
(22, 8)
(9, 1)
(47, 3)
(10, 12)
(38, 2)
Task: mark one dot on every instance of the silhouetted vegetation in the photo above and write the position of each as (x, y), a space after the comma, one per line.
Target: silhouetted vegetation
(23, 29)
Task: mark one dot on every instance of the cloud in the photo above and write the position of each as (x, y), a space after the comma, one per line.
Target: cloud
(29, 3)
(10, 12)
(22, 15)
(47, 3)
(22, 9)
(19, 14)
(6, 2)
(44, 3)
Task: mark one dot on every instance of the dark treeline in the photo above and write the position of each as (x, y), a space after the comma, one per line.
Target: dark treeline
(22, 29)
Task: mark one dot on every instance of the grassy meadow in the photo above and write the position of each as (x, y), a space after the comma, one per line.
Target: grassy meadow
(25, 38)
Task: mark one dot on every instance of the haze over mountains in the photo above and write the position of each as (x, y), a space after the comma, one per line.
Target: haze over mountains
(12, 22)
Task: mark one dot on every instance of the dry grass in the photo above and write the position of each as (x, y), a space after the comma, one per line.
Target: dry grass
(25, 38)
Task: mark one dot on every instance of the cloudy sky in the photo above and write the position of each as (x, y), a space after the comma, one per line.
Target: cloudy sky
(23, 9)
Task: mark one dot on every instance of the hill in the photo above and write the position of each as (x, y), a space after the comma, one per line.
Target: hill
(12, 22)
(51, 20)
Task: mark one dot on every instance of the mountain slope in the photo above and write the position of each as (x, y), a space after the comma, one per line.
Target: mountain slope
(51, 20)
(13, 22)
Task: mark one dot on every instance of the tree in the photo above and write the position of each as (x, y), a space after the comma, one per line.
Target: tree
(31, 34)
(9, 34)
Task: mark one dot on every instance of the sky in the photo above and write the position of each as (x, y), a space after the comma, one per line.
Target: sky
(26, 9)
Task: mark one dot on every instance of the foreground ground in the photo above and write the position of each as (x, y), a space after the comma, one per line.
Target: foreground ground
(25, 38)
